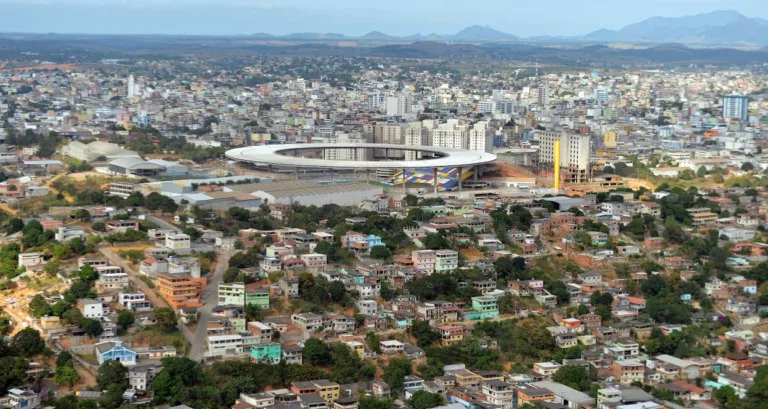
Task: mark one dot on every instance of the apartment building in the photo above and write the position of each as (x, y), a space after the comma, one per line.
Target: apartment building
(308, 321)
(627, 371)
(315, 262)
(123, 190)
(446, 260)
(424, 261)
(181, 290)
(702, 215)
(179, 241)
(498, 393)
(575, 152)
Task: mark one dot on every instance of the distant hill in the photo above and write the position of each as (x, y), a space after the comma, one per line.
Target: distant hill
(482, 33)
(425, 49)
(726, 27)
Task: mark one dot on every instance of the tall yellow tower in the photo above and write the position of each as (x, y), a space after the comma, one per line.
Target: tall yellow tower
(557, 165)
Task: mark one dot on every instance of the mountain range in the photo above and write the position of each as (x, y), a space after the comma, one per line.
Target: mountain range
(722, 27)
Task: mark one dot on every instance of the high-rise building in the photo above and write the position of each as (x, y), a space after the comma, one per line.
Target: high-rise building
(416, 134)
(575, 151)
(609, 139)
(353, 154)
(132, 88)
(543, 95)
(480, 138)
(506, 107)
(735, 107)
(375, 101)
(450, 135)
(399, 105)
(601, 96)
(486, 107)
(389, 134)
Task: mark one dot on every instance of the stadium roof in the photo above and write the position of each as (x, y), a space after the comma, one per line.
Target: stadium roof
(274, 155)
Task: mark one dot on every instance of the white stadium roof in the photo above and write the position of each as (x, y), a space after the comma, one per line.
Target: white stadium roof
(271, 155)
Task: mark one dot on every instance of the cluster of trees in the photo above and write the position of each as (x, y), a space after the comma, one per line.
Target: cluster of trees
(510, 217)
(65, 370)
(47, 143)
(318, 292)
(345, 365)
(440, 286)
(663, 302)
(25, 344)
(183, 381)
(519, 338)
(469, 352)
(66, 309)
(150, 140)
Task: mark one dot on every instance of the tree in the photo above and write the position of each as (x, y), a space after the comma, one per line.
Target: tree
(425, 400)
(66, 375)
(757, 394)
(14, 372)
(81, 214)
(436, 241)
(373, 342)
(380, 252)
(165, 318)
(88, 273)
(27, 342)
(316, 352)
(411, 200)
(112, 372)
(396, 372)
(99, 226)
(113, 399)
(574, 376)
(125, 319)
(701, 172)
(77, 245)
(337, 290)
(324, 247)
(230, 274)
(747, 166)
(91, 327)
(38, 307)
(424, 334)
(14, 225)
(64, 359)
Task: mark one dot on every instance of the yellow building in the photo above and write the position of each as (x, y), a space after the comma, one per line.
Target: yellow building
(327, 390)
(609, 139)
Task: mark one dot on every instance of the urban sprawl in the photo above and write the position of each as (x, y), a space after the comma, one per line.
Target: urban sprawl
(602, 246)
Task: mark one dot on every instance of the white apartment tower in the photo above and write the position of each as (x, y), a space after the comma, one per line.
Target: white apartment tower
(353, 154)
(389, 134)
(736, 107)
(450, 135)
(575, 153)
(132, 88)
(544, 95)
(416, 134)
(399, 105)
(480, 138)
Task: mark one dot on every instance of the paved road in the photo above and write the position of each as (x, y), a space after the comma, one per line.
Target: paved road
(209, 301)
(133, 275)
(162, 223)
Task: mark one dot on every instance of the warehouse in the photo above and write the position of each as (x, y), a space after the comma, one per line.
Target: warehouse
(95, 150)
(309, 192)
(135, 167)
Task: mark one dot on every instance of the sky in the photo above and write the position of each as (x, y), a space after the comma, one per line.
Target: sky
(350, 17)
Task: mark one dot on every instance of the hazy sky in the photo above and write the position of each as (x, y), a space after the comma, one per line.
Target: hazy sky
(349, 17)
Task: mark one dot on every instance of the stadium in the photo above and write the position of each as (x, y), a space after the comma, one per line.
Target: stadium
(441, 168)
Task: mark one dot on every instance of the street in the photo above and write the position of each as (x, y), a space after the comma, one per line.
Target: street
(133, 275)
(209, 301)
(162, 223)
